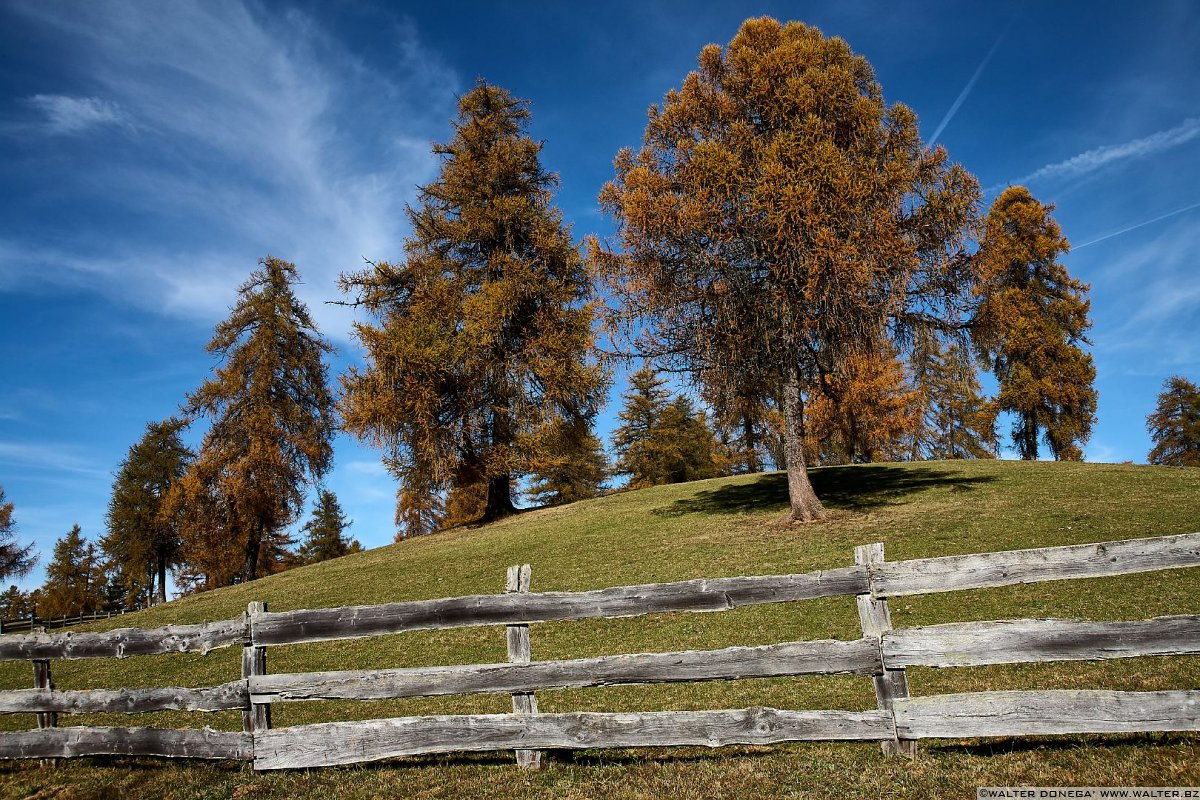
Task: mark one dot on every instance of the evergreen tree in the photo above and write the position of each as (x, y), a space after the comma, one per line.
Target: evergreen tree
(957, 421)
(143, 541)
(1030, 326)
(1174, 425)
(15, 604)
(15, 561)
(780, 216)
(272, 423)
(481, 338)
(324, 534)
(74, 579)
(663, 439)
(573, 467)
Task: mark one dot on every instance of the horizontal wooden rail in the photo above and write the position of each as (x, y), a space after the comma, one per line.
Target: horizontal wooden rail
(790, 658)
(167, 742)
(1033, 640)
(984, 570)
(1060, 711)
(718, 594)
(326, 744)
(226, 697)
(124, 642)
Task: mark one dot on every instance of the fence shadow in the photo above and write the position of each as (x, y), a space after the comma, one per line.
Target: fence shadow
(850, 488)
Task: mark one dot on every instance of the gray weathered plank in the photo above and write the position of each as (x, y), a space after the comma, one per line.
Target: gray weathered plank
(982, 570)
(349, 742)
(788, 658)
(227, 696)
(875, 619)
(718, 594)
(1032, 640)
(520, 651)
(957, 716)
(123, 642)
(70, 742)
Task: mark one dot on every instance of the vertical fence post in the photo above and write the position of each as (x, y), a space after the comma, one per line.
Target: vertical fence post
(257, 716)
(521, 652)
(876, 620)
(42, 680)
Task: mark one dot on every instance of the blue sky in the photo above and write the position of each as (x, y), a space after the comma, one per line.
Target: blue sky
(151, 153)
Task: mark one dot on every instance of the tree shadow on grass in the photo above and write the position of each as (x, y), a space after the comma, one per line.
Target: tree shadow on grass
(851, 488)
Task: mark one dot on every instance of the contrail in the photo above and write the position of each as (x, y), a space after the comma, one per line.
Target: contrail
(1139, 225)
(962, 96)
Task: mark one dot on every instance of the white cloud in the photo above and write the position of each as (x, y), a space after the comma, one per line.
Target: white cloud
(66, 115)
(56, 458)
(257, 134)
(1100, 157)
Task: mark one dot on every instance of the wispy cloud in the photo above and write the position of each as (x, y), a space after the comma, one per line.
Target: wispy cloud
(962, 96)
(1101, 157)
(56, 458)
(65, 115)
(257, 134)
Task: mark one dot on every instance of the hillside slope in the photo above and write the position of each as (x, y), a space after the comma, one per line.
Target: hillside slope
(713, 528)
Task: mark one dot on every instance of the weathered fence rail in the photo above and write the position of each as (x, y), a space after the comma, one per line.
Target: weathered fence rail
(882, 653)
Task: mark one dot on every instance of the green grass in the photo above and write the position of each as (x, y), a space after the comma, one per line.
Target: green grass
(706, 529)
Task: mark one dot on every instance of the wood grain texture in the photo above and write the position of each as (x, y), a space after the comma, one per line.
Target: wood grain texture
(982, 570)
(123, 642)
(959, 716)
(227, 696)
(255, 716)
(875, 619)
(788, 658)
(350, 742)
(718, 594)
(520, 651)
(1038, 640)
(71, 742)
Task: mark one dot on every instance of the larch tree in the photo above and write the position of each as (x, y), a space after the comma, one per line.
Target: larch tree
(745, 416)
(142, 540)
(662, 438)
(572, 466)
(1031, 326)
(272, 421)
(957, 421)
(75, 579)
(482, 336)
(780, 217)
(324, 534)
(1174, 425)
(15, 560)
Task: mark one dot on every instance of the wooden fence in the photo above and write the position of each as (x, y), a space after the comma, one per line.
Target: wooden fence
(32, 623)
(881, 653)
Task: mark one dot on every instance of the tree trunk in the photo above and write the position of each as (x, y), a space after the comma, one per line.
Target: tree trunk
(499, 498)
(162, 580)
(805, 505)
(1029, 448)
(752, 464)
(253, 542)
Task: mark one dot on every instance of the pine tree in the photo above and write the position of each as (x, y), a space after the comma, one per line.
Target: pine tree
(481, 337)
(74, 579)
(15, 561)
(272, 424)
(957, 421)
(1031, 325)
(323, 534)
(779, 216)
(573, 466)
(663, 439)
(15, 604)
(143, 541)
(1174, 425)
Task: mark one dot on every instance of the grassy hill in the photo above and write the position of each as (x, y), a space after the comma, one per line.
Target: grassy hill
(713, 528)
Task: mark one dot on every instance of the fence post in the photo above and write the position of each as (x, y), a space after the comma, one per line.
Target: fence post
(45, 719)
(520, 652)
(876, 620)
(257, 716)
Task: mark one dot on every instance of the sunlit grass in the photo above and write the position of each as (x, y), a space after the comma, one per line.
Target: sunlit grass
(706, 529)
